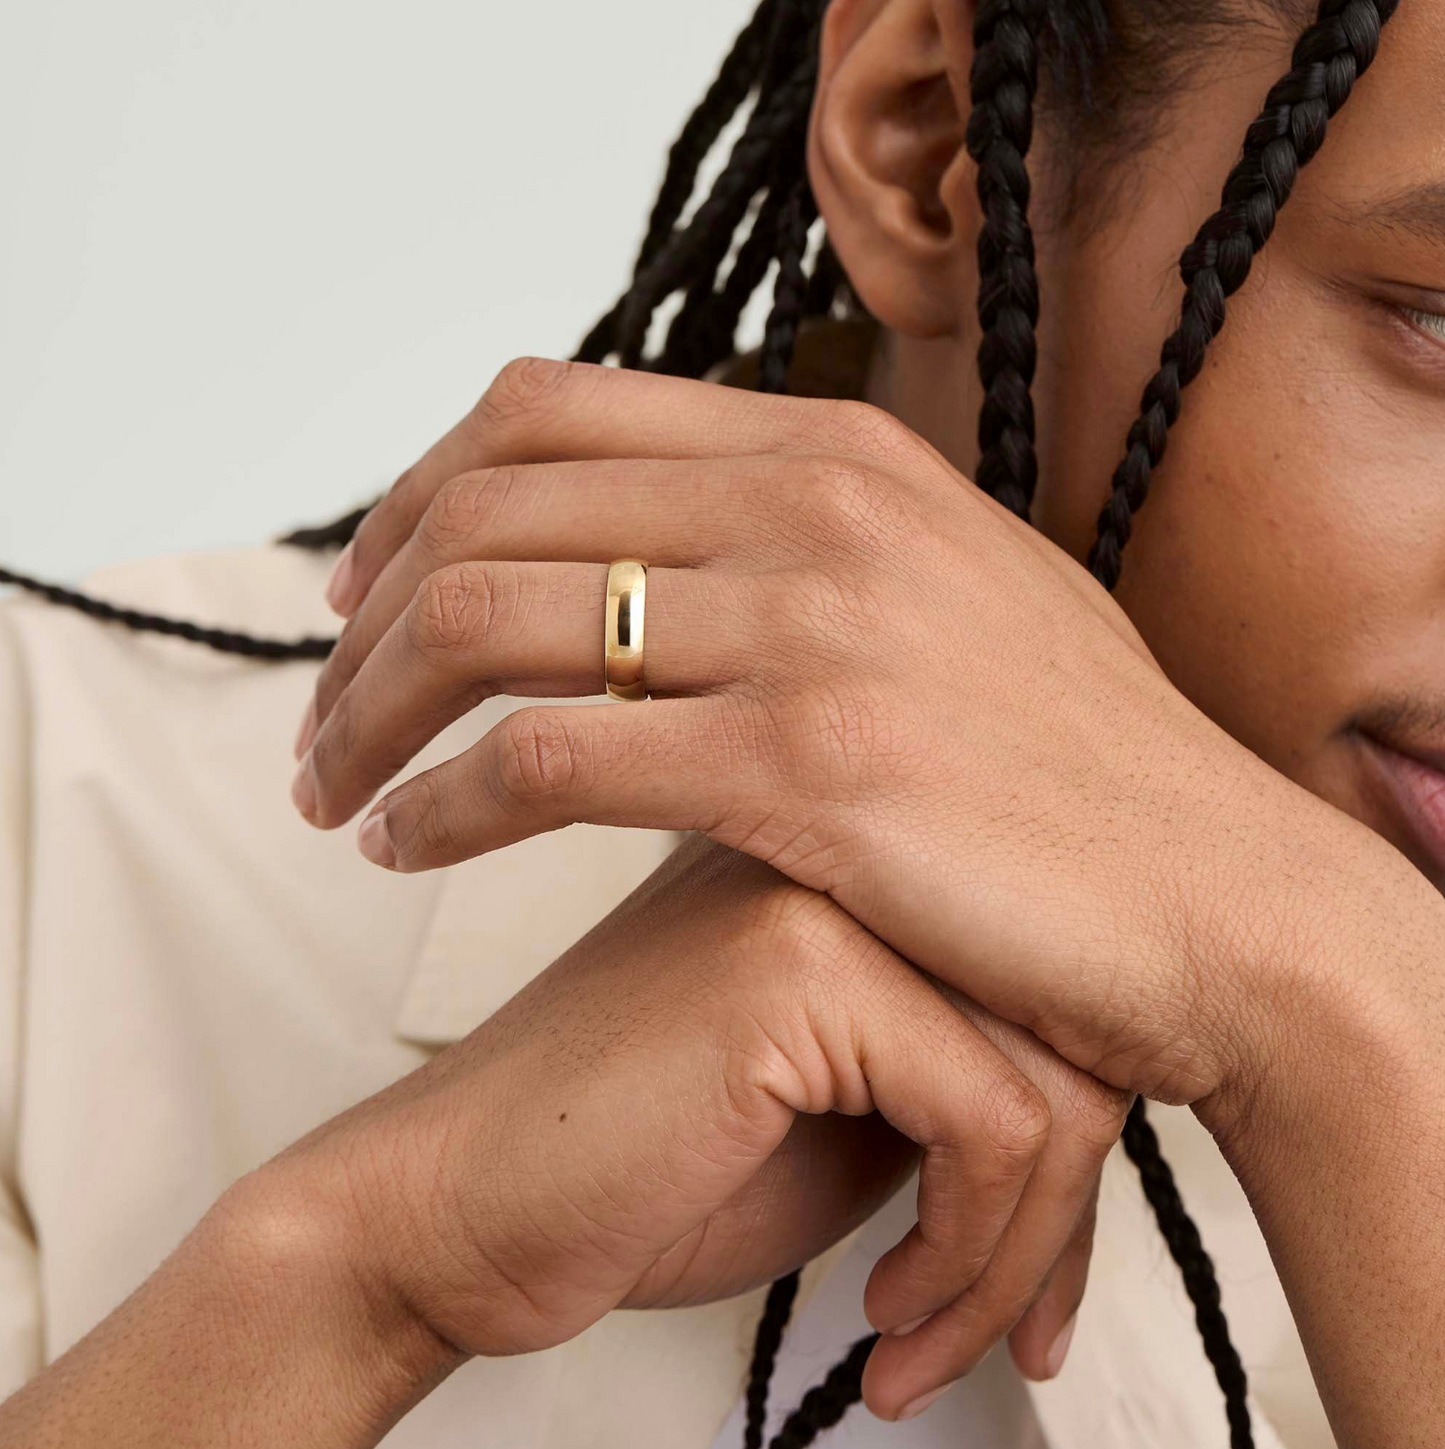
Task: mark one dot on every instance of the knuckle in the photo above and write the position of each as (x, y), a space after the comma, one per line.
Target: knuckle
(796, 925)
(454, 608)
(856, 730)
(1015, 1117)
(463, 509)
(521, 388)
(860, 503)
(1096, 1114)
(874, 430)
(540, 756)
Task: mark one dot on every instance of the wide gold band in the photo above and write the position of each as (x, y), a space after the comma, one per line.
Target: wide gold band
(626, 607)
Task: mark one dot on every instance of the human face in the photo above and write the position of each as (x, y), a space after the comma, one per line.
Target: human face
(1288, 569)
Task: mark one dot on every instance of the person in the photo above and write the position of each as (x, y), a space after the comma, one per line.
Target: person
(978, 852)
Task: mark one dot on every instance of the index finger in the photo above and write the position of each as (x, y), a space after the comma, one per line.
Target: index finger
(539, 410)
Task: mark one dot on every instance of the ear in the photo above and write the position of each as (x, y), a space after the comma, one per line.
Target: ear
(886, 157)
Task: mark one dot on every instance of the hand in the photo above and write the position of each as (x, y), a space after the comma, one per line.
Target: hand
(873, 678)
(653, 1121)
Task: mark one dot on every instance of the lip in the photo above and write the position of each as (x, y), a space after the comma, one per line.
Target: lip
(1414, 780)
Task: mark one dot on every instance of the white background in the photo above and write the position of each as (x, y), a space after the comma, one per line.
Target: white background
(255, 255)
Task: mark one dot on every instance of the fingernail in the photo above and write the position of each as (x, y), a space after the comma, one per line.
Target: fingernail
(374, 839)
(1055, 1360)
(303, 788)
(909, 1326)
(924, 1401)
(307, 732)
(338, 586)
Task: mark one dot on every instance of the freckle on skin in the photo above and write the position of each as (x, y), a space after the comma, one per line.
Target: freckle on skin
(563, 1117)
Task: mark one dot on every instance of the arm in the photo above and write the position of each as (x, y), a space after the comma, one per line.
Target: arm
(663, 1117)
(1339, 1142)
(882, 683)
(256, 1325)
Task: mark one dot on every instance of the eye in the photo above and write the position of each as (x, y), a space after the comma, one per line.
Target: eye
(1432, 322)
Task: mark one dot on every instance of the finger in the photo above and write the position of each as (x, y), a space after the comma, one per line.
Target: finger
(669, 764)
(1040, 1339)
(984, 1129)
(905, 1371)
(476, 630)
(671, 515)
(540, 410)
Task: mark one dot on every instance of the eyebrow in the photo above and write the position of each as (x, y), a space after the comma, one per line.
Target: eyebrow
(1418, 210)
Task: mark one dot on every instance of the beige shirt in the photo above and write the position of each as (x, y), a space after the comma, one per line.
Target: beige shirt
(191, 977)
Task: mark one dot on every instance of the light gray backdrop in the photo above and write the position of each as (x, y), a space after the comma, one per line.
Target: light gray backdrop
(254, 255)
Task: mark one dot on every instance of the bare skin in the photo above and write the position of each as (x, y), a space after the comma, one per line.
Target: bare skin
(1284, 591)
(1286, 571)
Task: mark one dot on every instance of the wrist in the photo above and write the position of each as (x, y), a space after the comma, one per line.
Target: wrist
(290, 1263)
(1341, 1009)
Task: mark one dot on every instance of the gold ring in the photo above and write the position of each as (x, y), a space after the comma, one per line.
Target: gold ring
(622, 654)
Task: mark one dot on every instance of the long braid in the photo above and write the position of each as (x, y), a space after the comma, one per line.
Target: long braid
(735, 78)
(1002, 83)
(327, 535)
(704, 331)
(775, 122)
(998, 134)
(790, 293)
(1329, 57)
(776, 1311)
(225, 641)
(826, 1403)
(827, 281)
(773, 24)
(775, 59)
(1185, 1247)
(705, 328)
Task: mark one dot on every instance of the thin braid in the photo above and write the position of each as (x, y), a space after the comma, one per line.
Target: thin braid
(827, 281)
(767, 42)
(226, 641)
(776, 1312)
(766, 59)
(705, 328)
(826, 1403)
(1185, 1247)
(328, 535)
(1328, 59)
(1002, 84)
(771, 124)
(790, 292)
(735, 79)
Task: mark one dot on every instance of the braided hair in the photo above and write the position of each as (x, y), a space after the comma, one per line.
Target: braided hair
(772, 70)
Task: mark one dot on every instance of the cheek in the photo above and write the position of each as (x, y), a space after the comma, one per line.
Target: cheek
(1281, 570)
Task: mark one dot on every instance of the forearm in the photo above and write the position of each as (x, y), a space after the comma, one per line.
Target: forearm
(1340, 1146)
(254, 1332)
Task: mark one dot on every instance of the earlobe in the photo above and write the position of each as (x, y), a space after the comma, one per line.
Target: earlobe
(887, 161)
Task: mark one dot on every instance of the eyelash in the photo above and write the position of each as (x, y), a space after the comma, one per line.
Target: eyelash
(1432, 322)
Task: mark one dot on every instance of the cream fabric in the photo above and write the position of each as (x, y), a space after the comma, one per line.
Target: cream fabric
(190, 978)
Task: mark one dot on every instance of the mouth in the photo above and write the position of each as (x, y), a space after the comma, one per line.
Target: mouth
(1413, 781)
